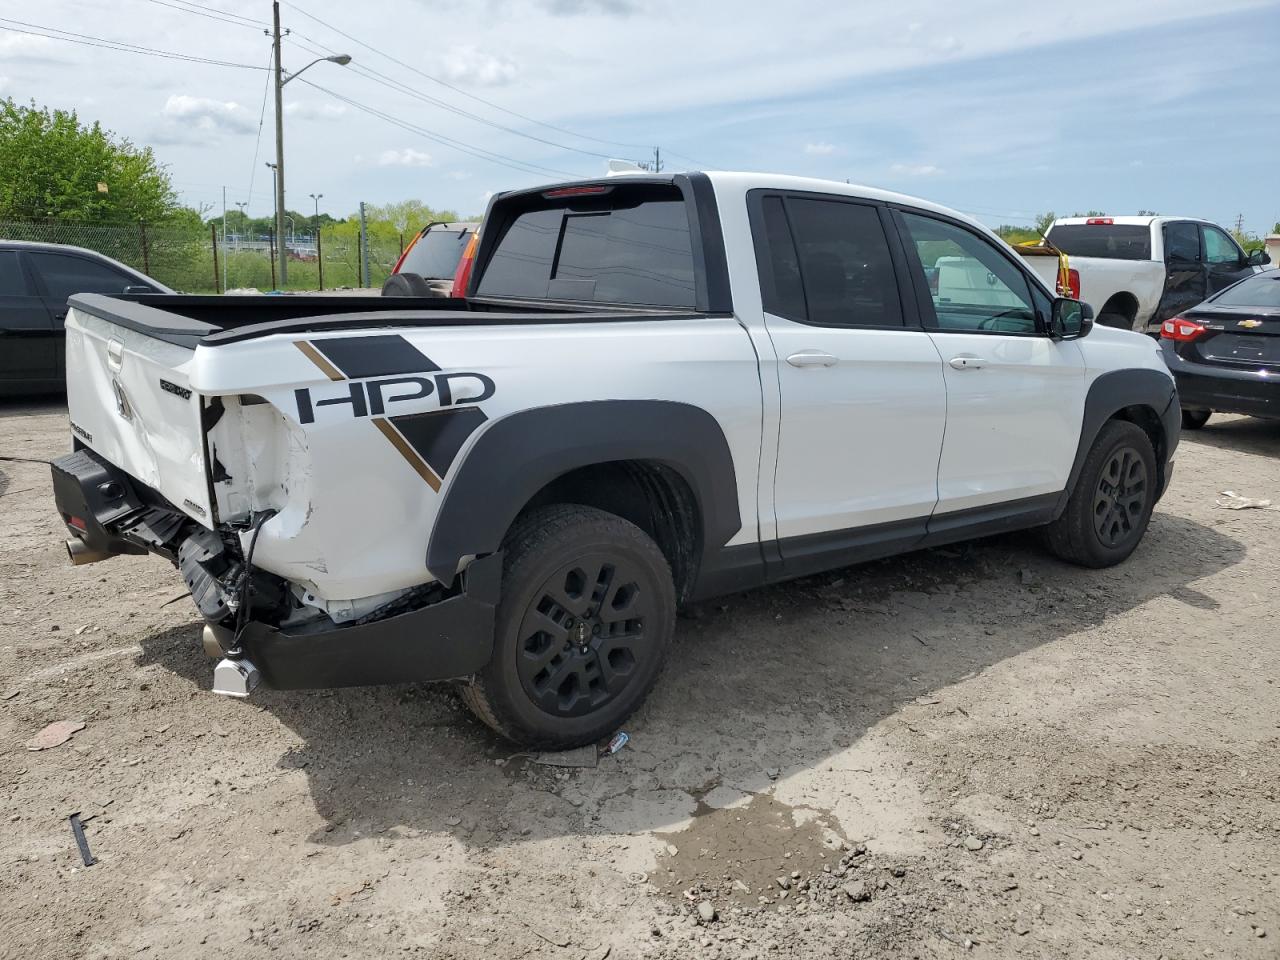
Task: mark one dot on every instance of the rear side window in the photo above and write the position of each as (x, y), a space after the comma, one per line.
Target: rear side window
(1260, 291)
(627, 246)
(1114, 241)
(13, 282)
(827, 262)
(436, 254)
(1181, 242)
(64, 275)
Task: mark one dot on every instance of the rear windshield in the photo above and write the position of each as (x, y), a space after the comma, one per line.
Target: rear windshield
(1260, 291)
(630, 245)
(436, 255)
(1116, 241)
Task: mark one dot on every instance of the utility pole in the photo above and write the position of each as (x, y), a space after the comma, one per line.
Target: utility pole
(224, 241)
(279, 84)
(1240, 224)
(657, 160)
(364, 248)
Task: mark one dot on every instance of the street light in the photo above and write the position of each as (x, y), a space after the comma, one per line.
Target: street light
(281, 78)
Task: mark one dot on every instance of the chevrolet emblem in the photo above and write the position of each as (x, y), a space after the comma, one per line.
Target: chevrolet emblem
(1249, 324)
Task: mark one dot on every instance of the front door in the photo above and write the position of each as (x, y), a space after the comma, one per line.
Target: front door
(863, 403)
(28, 355)
(1224, 259)
(1015, 398)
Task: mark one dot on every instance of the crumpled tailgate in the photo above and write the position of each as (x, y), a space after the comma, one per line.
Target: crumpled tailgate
(130, 400)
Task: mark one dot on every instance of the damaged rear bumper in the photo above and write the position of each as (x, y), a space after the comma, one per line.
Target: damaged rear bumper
(108, 512)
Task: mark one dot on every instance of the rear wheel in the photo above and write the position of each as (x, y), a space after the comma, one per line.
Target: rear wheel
(1111, 505)
(1195, 419)
(1117, 320)
(582, 629)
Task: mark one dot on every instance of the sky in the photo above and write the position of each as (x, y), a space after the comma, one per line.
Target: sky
(1000, 109)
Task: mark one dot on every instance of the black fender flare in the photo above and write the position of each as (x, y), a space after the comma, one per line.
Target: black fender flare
(1112, 392)
(520, 454)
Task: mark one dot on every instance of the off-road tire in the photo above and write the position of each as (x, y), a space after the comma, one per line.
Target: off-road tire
(1118, 321)
(543, 555)
(1195, 419)
(1076, 535)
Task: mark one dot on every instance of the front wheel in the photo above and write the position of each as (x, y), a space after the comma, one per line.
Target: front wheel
(586, 616)
(1111, 505)
(1195, 419)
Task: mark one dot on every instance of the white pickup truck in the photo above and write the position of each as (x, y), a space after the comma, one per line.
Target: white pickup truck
(658, 389)
(1137, 272)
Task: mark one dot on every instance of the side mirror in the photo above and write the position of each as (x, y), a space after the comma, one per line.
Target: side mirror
(1070, 319)
(1259, 258)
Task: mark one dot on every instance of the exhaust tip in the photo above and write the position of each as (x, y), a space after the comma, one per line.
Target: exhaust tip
(80, 554)
(217, 641)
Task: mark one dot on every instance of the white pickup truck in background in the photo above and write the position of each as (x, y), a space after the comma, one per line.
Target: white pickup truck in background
(1136, 272)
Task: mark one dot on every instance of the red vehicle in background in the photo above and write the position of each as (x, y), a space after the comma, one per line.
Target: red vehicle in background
(431, 263)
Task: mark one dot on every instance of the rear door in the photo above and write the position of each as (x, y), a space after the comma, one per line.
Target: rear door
(59, 275)
(27, 344)
(863, 403)
(1015, 398)
(1224, 260)
(1186, 280)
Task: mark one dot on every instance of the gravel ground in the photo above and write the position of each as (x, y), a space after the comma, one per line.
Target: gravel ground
(974, 751)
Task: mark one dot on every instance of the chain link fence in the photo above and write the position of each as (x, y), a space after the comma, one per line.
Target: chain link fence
(201, 260)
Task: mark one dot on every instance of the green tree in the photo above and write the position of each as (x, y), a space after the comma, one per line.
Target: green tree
(53, 166)
(406, 216)
(1044, 221)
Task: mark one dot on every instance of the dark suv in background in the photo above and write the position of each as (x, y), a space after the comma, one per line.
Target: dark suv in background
(35, 281)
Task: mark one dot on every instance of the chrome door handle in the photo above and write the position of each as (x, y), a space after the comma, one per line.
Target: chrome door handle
(811, 358)
(967, 363)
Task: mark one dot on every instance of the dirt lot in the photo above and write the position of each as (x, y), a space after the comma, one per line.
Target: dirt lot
(974, 751)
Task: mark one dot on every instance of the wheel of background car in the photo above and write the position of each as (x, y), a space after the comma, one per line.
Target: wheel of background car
(1117, 320)
(1110, 507)
(1195, 419)
(582, 629)
(407, 285)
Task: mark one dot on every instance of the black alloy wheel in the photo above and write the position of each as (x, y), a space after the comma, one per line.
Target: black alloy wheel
(582, 639)
(1120, 499)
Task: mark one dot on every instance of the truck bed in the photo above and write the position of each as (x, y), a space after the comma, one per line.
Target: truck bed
(188, 321)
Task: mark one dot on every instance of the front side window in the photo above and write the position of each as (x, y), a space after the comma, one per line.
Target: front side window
(972, 285)
(64, 275)
(1219, 248)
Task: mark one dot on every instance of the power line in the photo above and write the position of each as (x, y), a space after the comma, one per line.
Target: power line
(465, 93)
(478, 152)
(212, 15)
(202, 7)
(262, 116)
(90, 41)
(381, 78)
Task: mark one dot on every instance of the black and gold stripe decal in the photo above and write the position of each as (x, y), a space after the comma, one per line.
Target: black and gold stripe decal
(429, 442)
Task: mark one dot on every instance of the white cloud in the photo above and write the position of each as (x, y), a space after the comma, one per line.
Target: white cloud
(569, 8)
(915, 169)
(26, 46)
(820, 149)
(466, 64)
(207, 115)
(314, 111)
(459, 175)
(408, 157)
(4, 84)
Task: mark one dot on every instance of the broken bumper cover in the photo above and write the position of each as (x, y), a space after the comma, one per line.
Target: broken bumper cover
(447, 640)
(114, 513)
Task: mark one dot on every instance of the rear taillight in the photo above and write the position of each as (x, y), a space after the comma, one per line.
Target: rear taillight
(462, 275)
(77, 523)
(1100, 221)
(1177, 328)
(1072, 289)
(416, 238)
